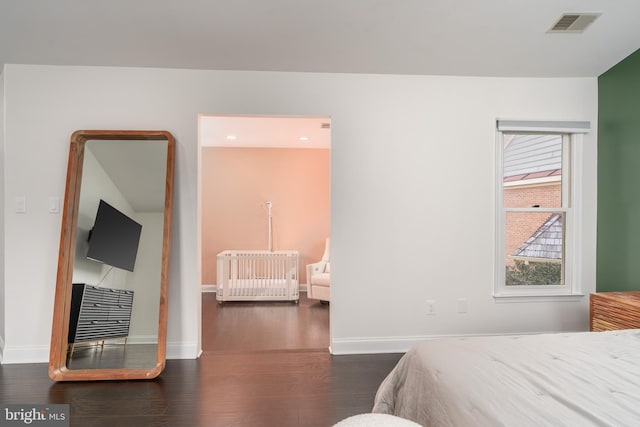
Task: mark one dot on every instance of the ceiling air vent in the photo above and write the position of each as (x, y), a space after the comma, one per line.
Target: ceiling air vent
(325, 126)
(573, 22)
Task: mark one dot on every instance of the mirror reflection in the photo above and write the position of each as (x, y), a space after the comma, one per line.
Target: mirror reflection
(110, 310)
(115, 300)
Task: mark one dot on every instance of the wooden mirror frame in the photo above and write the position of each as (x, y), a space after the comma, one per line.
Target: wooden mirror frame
(58, 370)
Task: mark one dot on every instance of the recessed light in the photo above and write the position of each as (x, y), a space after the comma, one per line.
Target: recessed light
(231, 137)
(304, 138)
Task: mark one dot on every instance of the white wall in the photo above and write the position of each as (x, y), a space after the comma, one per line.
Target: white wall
(2, 245)
(145, 279)
(412, 191)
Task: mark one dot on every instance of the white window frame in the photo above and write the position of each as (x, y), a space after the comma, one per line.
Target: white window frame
(572, 135)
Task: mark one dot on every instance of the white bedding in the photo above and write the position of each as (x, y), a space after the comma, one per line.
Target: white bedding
(572, 379)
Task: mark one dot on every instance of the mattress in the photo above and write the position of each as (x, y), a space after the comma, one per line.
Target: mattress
(571, 379)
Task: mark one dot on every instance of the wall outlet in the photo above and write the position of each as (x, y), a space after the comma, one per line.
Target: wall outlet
(431, 306)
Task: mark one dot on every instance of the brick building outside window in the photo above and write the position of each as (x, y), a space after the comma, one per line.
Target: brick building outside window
(534, 237)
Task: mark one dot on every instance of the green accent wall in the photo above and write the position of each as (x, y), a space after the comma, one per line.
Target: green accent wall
(618, 250)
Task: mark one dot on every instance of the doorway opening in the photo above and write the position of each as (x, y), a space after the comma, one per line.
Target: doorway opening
(263, 185)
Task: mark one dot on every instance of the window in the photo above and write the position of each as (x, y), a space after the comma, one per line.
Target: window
(536, 247)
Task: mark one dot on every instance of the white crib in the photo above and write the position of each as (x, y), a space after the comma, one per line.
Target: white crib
(255, 275)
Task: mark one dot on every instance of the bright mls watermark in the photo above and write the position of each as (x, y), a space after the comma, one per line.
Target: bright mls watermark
(34, 415)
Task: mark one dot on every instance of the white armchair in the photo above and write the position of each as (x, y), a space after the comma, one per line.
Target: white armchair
(319, 277)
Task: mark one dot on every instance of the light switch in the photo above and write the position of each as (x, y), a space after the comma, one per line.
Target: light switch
(462, 305)
(54, 205)
(21, 204)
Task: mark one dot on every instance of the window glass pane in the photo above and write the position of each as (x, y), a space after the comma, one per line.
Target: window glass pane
(532, 171)
(534, 248)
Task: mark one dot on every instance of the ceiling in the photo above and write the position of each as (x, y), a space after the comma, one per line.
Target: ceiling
(137, 168)
(265, 131)
(501, 38)
(433, 37)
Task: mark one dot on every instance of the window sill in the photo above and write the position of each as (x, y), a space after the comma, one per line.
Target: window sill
(536, 297)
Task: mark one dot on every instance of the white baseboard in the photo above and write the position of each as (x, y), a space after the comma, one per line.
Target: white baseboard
(380, 345)
(209, 288)
(40, 354)
(374, 345)
(182, 350)
(142, 339)
(25, 354)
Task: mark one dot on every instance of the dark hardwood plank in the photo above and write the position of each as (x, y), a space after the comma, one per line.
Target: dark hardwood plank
(251, 326)
(293, 388)
(247, 384)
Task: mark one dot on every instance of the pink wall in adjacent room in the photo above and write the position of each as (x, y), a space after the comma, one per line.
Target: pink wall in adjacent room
(236, 184)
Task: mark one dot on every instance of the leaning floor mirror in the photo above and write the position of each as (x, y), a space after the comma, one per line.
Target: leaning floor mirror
(110, 310)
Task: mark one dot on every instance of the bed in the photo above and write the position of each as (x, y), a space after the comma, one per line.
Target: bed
(255, 275)
(571, 379)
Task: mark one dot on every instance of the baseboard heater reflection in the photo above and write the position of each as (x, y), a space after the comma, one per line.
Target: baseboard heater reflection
(255, 275)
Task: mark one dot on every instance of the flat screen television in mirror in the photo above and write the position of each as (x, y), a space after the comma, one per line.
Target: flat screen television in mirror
(114, 238)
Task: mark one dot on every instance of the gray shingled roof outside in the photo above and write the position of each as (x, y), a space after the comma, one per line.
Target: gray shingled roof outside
(545, 243)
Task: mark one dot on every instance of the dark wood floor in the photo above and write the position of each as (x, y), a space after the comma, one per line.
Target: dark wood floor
(249, 384)
(254, 326)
